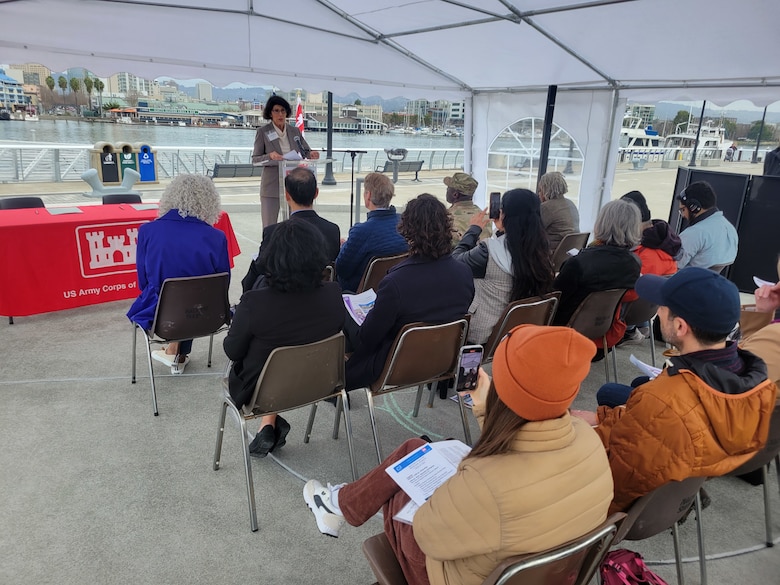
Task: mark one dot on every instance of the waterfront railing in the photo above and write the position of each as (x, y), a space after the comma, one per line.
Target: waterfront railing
(67, 162)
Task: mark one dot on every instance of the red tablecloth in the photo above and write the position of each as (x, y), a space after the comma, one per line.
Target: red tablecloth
(55, 262)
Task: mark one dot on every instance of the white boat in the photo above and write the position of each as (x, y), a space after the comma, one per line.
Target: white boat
(637, 141)
(124, 120)
(182, 124)
(712, 140)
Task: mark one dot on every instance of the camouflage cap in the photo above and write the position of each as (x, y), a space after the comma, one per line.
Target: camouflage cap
(462, 183)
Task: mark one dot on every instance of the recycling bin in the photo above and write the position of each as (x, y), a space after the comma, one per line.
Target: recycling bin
(147, 163)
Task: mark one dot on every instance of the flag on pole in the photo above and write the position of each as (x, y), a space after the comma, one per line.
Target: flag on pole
(299, 116)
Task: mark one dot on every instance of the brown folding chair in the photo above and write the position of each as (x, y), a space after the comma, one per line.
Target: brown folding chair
(292, 377)
(763, 460)
(376, 269)
(21, 202)
(638, 312)
(188, 307)
(529, 311)
(594, 316)
(573, 563)
(659, 511)
(383, 561)
(574, 241)
(421, 354)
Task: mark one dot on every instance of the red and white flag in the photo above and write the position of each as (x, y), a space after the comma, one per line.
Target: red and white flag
(299, 116)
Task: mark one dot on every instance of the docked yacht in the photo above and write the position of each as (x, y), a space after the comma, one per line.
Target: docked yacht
(637, 141)
(712, 139)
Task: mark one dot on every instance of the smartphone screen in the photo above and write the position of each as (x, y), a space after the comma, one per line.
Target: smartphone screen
(468, 366)
(495, 205)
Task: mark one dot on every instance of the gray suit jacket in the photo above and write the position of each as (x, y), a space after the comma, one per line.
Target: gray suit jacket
(269, 183)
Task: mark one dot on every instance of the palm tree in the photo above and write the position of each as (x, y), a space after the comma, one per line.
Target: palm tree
(50, 83)
(100, 86)
(88, 85)
(75, 86)
(63, 83)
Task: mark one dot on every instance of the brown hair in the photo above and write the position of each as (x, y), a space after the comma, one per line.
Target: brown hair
(380, 187)
(427, 227)
(499, 428)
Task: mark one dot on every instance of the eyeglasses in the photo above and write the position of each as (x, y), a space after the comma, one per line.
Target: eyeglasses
(279, 111)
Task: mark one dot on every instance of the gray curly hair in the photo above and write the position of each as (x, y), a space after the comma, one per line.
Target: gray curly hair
(551, 186)
(192, 196)
(618, 224)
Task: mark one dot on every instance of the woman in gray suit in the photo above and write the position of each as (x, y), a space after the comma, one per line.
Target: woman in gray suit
(272, 142)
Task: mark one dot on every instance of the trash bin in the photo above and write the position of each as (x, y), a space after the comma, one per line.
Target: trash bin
(104, 159)
(147, 163)
(127, 157)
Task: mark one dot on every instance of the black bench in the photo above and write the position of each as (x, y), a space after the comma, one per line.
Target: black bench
(404, 166)
(226, 171)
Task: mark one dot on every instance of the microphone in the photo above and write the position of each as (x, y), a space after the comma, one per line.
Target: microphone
(301, 148)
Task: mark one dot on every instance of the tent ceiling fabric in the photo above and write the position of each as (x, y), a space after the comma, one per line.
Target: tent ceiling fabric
(427, 48)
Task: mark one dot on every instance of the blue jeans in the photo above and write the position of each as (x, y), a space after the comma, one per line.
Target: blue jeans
(613, 394)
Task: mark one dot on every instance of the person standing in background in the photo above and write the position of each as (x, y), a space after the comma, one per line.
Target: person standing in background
(559, 215)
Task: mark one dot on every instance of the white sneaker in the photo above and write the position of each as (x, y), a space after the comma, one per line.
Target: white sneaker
(317, 497)
(163, 358)
(178, 367)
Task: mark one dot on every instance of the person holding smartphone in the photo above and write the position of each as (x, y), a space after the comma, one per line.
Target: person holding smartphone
(536, 478)
(512, 265)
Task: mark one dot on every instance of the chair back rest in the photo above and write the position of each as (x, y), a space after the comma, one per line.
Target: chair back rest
(297, 375)
(383, 561)
(121, 198)
(575, 240)
(573, 563)
(770, 450)
(422, 353)
(657, 511)
(20, 202)
(529, 311)
(192, 306)
(594, 316)
(639, 311)
(376, 269)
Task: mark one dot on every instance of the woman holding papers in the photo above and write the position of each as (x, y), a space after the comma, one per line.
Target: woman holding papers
(272, 142)
(508, 267)
(536, 478)
(292, 306)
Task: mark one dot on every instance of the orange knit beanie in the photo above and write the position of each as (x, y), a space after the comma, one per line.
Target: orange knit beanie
(537, 371)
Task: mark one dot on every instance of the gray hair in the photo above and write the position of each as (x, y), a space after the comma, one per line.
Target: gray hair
(380, 187)
(551, 186)
(618, 224)
(192, 196)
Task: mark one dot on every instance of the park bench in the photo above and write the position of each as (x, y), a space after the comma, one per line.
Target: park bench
(233, 171)
(404, 166)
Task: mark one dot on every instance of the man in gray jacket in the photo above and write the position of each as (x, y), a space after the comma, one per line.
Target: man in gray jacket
(709, 240)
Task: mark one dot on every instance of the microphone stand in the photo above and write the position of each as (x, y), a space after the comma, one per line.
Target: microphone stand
(352, 202)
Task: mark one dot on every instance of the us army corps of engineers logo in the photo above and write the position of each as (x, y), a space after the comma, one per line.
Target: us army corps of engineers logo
(107, 248)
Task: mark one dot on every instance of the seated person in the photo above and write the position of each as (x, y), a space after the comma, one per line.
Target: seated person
(300, 191)
(180, 242)
(512, 266)
(709, 240)
(606, 263)
(460, 193)
(292, 306)
(707, 412)
(559, 215)
(429, 286)
(765, 341)
(377, 236)
(536, 478)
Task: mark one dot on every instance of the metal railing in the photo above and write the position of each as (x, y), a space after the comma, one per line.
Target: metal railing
(67, 162)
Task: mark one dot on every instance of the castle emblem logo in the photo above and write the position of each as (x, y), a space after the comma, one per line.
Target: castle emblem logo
(107, 248)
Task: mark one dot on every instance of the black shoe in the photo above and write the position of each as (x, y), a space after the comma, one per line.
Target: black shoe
(263, 442)
(280, 432)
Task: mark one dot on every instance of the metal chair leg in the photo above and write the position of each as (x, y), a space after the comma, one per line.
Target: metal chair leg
(677, 555)
(211, 347)
(132, 371)
(700, 536)
(151, 375)
(370, 398)
(652, 341)
(432, 395)
(606, 358)
(348, 429)
(220, 435)
(614, 363)
(310, 424)
(340, 403)
(250, 486)
(418, 399)
(767, 506)
(464, 420)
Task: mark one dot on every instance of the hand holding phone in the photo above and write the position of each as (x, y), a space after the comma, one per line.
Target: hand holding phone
(468, 368)
(495, 205)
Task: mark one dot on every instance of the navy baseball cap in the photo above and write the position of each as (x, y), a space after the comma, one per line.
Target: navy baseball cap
(702, 297)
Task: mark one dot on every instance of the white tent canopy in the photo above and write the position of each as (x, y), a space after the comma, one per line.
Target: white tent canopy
(498, 54)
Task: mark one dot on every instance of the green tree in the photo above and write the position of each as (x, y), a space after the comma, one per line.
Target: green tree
(358, 102)
(111, 106)
(75, 87)
(50, 83)
(63, 84)
(766, 135)
(731, 129)
(89, 85)
(681, 118)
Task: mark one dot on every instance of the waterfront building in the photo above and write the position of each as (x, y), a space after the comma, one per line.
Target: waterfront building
(122, 83)
(11, 93)
(33, 73)
(203, 91)
(645, 113)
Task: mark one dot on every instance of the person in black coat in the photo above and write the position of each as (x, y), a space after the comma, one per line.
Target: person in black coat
(292, 306)
(430, 286)
(301, 190)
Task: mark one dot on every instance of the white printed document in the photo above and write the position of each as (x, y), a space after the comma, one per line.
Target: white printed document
(358, 306)
(293, 155)
(423, 470)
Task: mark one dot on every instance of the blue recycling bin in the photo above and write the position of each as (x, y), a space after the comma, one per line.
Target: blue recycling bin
(147, 164)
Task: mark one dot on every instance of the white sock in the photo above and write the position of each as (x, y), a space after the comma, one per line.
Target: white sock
(334, 498)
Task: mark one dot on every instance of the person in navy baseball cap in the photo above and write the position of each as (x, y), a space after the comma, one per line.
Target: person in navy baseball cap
(703, 298)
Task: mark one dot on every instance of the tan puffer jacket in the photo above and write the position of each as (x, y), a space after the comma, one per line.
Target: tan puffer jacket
(554, 485)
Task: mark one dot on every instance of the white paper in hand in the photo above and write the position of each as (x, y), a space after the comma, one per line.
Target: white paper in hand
(647, 369)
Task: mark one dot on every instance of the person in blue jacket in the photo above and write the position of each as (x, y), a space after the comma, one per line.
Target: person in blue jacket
(180, 242)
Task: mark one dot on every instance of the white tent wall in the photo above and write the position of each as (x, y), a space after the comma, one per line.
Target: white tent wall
(585, 115)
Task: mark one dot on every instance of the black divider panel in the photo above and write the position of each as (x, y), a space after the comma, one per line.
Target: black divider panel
(729, 187)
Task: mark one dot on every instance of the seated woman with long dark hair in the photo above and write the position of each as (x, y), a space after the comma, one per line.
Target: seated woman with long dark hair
(291, 306)
(514, 265)
(536, 478)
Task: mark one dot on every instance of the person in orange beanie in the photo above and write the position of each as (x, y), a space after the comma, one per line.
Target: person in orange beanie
(514, 493)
